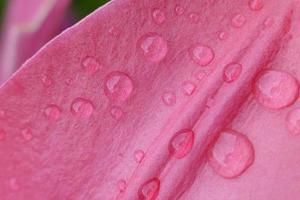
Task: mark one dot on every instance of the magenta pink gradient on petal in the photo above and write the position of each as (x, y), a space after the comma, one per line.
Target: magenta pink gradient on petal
(113, 118)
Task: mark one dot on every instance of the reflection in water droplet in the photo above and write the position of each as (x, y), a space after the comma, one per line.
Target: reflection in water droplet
(276, 89)
(52, 112)
(256, 4)
(202, 55)
(153, 46)
(82, 107)
(150, 189)
(118, 86)
(169, 98)
(293, 121)
(27, 134)
(158, 16)
(116, 112)
(231, 155)
(139, 156)
(181, 143)
(188, 88)
(2, 135)
(231, 72)
(90, 64)
(238, 21)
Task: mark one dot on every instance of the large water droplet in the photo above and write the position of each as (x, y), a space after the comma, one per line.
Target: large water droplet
(52, 112)
(238, 21)
(202, 55)
(139, 156)
(231, 155)
(231, 72)
(90, 64)
(2, 135)
(276, 89)
(150, 189)
(158, 16)
(293, 121)
(116, 112)
(122, 185)
(181, 143)
(27, 134)
(179, 10)
(82, 107)
(153, 46)
(169, 98)
(118, 86)
(256, 4)
(188, 88)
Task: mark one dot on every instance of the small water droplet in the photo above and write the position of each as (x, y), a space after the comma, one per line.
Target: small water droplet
(200, 75)
(122, 185)
(194, 17)
(181, 143)
(256, 5)
(179, 10)
(202, 55)
(158, 16)
(90, 64)
(69, 81)
(293, 121)
(27, 134)
(150, 189)
(139, 156)
(223, 35)
(231, 72)
(52, 112)
(238, 21)
(231, 155)
(188, 88)
(169, 98)
(116, 112)
(118, 86)
(82, 107)
(114, 31)
(2, 135)
(153, 46)
(210, 102)
(268, 22)
(276, 89)
(47, 81)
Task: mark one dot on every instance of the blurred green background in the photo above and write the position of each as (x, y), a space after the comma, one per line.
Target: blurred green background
(80, 8)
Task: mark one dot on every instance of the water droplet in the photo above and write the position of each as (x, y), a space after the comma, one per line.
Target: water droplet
(2, 113)
(69, 81)
(139, 156)
(179, 10)
(231, 155)
(169, 98)
(188, 88)
(256, 4)
(158, 16)
(118, 86)
(238, 20)
(122, 185)
(114, 31)
(223, 35)
(82, 107)
(2, 135)
(90, 64)
(27, 134)
(154, 47)
(181, 143)
(47, 81)
(231, 72)
(14, 184)
(200, 75)
(194, 17)
(150, 189)
(116, 112)
(293, 121)
(52, 112)
(276, 89)
(268, 22)
(202, 55)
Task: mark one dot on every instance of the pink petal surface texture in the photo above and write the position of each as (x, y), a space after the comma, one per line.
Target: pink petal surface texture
(159, 100)
(28, 26)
